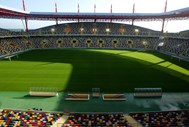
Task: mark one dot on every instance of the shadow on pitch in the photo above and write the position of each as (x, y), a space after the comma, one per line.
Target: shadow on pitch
(32, 97)
(110, 73)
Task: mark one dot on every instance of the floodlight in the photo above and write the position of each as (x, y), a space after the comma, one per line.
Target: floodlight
(94, 29)
(136, 30)
(107, 30)
(161, 44)
(52, 29)
(81, 29)
(144, 42)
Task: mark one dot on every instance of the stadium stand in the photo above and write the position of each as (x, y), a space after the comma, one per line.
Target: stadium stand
(163, 119)
(10, 118)
(184, 33)
(106, 35)
(87, 28)
(4, 32)
(95, 42)
(19, 118)
(176, 46)
(98, 119)
(91, 28)
(94, 35)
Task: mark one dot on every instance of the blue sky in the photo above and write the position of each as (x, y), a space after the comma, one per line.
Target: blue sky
(141, 6)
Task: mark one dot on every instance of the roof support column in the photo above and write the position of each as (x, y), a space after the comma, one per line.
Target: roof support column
(162, 28)
(133, 13)
(165, 10)
(132, 22)
(56, 21)
(26, 23)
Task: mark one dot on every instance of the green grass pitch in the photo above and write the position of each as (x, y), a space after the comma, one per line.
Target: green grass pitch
(84, 69)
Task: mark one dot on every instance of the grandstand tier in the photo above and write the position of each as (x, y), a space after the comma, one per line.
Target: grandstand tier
(10, 117)
(174, 44)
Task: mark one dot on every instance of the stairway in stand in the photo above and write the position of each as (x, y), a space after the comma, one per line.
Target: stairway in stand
(132, 121)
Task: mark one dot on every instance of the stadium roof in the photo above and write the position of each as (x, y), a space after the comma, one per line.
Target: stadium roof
(6, 12)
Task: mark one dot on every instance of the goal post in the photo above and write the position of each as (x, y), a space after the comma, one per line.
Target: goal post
(43, 91)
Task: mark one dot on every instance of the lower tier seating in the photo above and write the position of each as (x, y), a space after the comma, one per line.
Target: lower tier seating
(17, 118)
